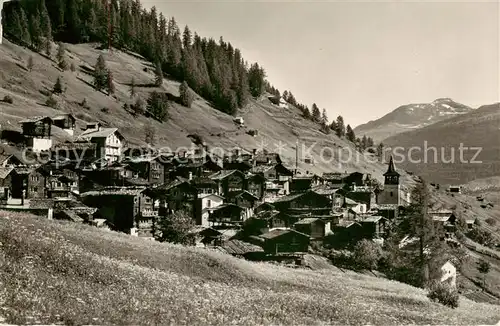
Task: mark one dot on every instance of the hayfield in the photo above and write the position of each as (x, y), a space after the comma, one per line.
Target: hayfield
(56, 272)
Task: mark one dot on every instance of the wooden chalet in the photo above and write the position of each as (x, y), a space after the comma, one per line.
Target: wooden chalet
(126, 209)
(242, 249)
(66, 122)
(302, 183)
(82, 151)
(346, 232)
(227, 214)
(256, 185)
(315, 227)
(147, 168)
(280, 241)
(304, 203)
(37, 132)
(374, 226)
(228, 181)
(178, 195)
(5, 184)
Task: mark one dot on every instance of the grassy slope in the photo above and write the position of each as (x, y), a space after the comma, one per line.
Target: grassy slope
(273, 124)
(479, 128)
(54, 271)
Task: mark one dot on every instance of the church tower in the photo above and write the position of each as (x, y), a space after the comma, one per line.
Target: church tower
(391, 192)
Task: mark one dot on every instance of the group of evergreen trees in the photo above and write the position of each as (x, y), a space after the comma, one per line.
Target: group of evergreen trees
(215, 70)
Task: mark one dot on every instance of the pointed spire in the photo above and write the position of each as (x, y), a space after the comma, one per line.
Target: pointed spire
(391, 170)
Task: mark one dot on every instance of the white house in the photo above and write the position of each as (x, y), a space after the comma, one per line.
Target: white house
(205, 205)
(110, 142)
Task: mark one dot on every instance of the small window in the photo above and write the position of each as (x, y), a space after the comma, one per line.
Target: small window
(392, 194)
(209, 203)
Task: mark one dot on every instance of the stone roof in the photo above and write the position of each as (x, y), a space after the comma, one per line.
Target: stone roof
(121, 191)
(279, 232)
(4, 172)
(238, 247)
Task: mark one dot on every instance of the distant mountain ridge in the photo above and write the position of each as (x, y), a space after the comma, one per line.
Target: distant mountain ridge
(410, 117)
(478, 131)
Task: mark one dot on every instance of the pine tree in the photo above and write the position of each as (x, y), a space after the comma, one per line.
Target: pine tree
(100, 73)
(149, 134)
(35, 31)
(24, 32)
(185, 94)
(158, 75)
(380, 150)
(31, 63)
(158, 106)
(110, 85)
(58, 86)
(364, 143)
(306, 113)
(340, 128)
(350, 134)
(186, 37)
(256, 77)
(45, 23)
(132, 91)
(333, 126)
(316, 113)
(61, 56)
(48, 47)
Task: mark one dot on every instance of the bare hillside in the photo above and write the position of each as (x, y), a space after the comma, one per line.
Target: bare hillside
(278, 128)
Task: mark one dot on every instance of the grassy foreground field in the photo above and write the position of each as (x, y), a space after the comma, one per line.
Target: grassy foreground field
(54, 272)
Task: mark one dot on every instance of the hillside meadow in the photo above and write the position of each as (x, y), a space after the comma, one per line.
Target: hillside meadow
(58, 272)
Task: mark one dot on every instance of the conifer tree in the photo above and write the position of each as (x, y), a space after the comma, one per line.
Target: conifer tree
(58, 86)
(31, 63)
(333, 126)
(22, 25)
(256, 77)
(132, 90)
(35, 31)
(316, 113)
(100, 73)
(306, 113)
(158, 75)
(110, 85)
(340, 127)
(186, 38)
(185, 94)
(45, 23)
(61, 56)
(350, 134)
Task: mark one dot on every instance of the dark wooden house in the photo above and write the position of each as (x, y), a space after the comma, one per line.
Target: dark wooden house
(255, 184)
(228, 181)
(314, 227)
(5, 184)
(304, 203)
(227, 214)
(37, 133)
(148, 168)
(66, 122)
(374, 226)
(281, 241)
(176, 196)
(127, 209)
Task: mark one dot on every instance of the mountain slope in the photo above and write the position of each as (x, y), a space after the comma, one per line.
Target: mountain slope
(77, 274)
(478, 130)
(278, 128)
(410, 117)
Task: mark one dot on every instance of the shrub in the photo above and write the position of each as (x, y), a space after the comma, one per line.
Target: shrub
(58, 87)
(52, 102)
(491, 221)
(8, 99)
(105, 110)
(481, 236)
(444, 294)
(367, 254)
(84, 104)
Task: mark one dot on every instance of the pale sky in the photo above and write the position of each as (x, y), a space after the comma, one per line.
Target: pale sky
(360, 59)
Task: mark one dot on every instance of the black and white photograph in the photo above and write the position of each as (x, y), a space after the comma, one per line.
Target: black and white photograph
(249, 162)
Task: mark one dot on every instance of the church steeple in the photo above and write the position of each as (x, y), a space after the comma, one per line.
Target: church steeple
(391, 176)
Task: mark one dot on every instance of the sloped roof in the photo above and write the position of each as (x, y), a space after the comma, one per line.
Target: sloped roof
(101, 133)
(62, 116)
(222, 174)
(261, 168)
(288, 198)
(35, 119)
(240, 193)
(372, 219)
(307, 220)
(391, 170)
(238, 247)
(349, 201)
(324, 190)
(200, 196)
(108, 191)
(279, 232)
(4, 172)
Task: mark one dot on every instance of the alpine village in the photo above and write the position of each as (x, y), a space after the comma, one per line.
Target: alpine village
(250, 202)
